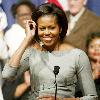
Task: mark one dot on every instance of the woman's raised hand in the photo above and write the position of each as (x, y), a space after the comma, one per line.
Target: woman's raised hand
(30, 29)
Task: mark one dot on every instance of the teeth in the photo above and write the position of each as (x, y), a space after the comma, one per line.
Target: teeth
(47, 38)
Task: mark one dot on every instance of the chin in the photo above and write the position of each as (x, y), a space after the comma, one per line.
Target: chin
(73, 12)
(48, 44)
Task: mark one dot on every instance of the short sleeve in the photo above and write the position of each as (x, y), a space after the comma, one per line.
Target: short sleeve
(84, 74)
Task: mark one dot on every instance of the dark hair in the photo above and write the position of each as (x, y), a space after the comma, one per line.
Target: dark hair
(17, 5)
(90, 37)
(52, 9)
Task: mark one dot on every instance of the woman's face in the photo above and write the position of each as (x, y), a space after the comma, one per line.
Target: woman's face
(48, 30)
(24, 13)
(94, 49)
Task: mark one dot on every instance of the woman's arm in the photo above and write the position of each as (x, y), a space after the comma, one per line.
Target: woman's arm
(12, 65)
(84, 73)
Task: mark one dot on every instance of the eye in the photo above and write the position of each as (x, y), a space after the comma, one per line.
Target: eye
(51, 28)
(91, 46)
(42, 28)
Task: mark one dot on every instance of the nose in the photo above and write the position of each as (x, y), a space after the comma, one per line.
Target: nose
(26, 17)
(47, 32)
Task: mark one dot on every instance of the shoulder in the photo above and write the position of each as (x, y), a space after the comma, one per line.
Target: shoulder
(66, 46)
(72, 50)
(11, 30)
(31, 50)
(94, 20)
(77, 52)
(90, 14)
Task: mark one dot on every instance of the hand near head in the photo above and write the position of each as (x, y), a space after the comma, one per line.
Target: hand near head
(30, 32)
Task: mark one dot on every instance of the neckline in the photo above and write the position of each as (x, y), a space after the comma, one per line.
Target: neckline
(56, 52)
(40, 50)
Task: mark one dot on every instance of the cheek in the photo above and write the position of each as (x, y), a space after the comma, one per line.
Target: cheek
(91, 51)
(40, 33)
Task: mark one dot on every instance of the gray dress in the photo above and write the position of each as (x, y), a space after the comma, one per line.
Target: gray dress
(74, 66)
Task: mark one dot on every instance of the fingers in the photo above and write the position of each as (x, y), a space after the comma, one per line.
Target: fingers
(30, 29)
(45, 97)
(41, 97)
(30, 24)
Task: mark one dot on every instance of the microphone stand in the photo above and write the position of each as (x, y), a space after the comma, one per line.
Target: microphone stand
(55, 88)
(56, 71)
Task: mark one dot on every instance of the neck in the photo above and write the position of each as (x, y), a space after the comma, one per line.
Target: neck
(55, 47)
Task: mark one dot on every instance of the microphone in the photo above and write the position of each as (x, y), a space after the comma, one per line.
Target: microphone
(56, 71)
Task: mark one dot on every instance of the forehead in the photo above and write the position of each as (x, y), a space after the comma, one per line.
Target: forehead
(95, 41)
(47, 19)
(23, 8)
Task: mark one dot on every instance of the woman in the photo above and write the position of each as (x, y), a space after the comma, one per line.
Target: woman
(93, 51)
(52, 51)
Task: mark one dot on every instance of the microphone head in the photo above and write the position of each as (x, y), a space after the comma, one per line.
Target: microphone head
(56, 70)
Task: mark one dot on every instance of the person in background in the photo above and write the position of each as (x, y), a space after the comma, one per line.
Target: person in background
(22, 11)
(93, 51)
(7, 8)
(18, 88)
(81, 22)
(3, 47)
(50, 29)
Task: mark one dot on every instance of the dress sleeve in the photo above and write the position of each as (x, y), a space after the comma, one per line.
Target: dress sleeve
(24, 63)
(84, 74)
(9, 71)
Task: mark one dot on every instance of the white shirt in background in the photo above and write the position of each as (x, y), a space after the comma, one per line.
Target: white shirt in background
(0, 1)
(14, 37)
(3, 20)
(3, 49)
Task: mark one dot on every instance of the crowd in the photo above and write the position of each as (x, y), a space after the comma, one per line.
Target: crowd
(46, 37)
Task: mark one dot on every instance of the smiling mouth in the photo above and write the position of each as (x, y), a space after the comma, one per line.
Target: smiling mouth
(47, 38)
(96, 54)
